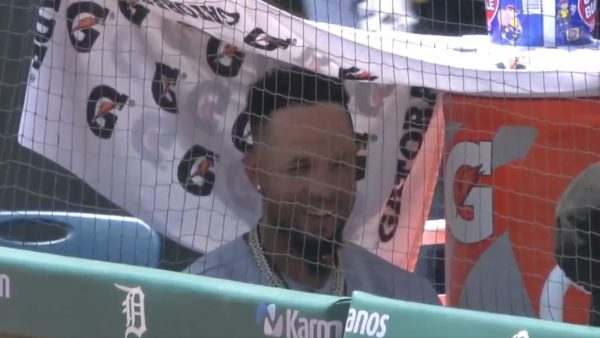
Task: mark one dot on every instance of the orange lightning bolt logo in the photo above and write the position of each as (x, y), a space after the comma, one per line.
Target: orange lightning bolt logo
(465, 179)
(87, 23)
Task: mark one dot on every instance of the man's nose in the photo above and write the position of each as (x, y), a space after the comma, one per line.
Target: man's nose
(321, 191)
(322, 185)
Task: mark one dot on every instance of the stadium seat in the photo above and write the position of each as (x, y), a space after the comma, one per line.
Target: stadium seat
(100, 237)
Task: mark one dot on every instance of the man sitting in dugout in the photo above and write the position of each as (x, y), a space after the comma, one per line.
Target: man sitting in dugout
(302, 162)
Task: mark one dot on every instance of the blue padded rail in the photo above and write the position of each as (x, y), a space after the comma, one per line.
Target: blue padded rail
(100, 237)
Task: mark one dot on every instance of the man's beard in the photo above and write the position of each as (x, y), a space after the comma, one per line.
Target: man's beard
(303, 245)
(312, 249)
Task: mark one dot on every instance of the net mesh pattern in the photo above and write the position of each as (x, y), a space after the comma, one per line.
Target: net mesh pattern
(156, 141)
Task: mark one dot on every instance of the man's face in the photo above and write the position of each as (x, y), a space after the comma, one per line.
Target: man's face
(306, 170)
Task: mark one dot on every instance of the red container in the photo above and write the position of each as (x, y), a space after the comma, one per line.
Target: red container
(506, 164)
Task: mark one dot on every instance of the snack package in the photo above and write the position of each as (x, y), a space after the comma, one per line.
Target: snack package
(541, 23)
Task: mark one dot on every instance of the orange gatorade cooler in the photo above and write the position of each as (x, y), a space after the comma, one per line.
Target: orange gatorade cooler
(522, 203)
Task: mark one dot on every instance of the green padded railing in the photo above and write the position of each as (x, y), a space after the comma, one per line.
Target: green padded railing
(55, 296)
(43, 295)
(372, 316)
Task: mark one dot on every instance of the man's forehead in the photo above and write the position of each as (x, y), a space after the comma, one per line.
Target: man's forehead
(323, 121)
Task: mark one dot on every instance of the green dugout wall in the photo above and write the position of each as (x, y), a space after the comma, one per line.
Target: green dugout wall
(48, 296)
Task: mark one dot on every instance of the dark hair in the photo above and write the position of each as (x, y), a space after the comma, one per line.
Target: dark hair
(281, 88)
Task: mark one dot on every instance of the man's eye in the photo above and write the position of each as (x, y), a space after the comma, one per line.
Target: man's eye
(341, 165)
(300, 169)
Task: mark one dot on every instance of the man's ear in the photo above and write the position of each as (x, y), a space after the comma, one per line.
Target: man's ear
(250, 164)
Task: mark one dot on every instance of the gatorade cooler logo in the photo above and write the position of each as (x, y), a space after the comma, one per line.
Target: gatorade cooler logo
(491, 10)
(587, 12)
(466, 178)
(471, 203)
(467, 183)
